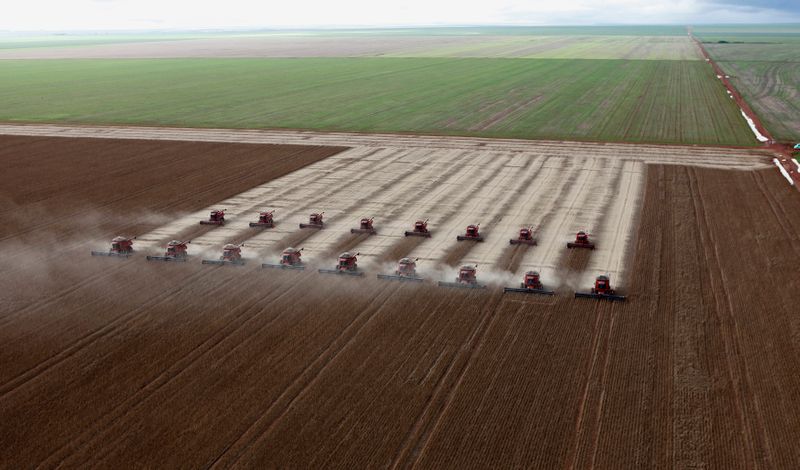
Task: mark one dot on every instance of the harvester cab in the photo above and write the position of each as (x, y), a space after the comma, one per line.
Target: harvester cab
(467, 278)
(217, 217)
(531, 284)
(346, 264)
(120, 247)
(581, 241)
(176, 251)
(471, 234)
(264, 220)
(231, 254)
(420, 229)
(406, 271)
(290, 259)
(525, 237)
(314, 221)
(365, 226)
(601, 290)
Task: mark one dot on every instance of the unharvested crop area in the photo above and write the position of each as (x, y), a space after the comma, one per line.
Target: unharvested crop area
(164, 365)
(635, 100)
(764, 65)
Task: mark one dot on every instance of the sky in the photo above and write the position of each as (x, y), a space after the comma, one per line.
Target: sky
(105, 15)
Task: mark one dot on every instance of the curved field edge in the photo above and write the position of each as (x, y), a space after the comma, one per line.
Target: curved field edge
(593, 100)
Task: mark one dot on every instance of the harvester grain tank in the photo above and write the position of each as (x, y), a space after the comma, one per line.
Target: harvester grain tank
(406, 271)
(217, 217)
(264, 220)
(290, 259)
(581, 241)
(176, 251)
(420, 229)
(525, 237)
(365, 226)
(467, 279)
(346, 265)
(531, 284)
(471, 233)
(121, 247)
(231, 254)
(602, 290)
(314, 221)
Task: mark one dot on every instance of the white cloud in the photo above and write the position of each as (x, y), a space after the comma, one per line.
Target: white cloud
(196, 14)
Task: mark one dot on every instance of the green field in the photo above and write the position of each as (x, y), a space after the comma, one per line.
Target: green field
(605, 100)
(764, 65)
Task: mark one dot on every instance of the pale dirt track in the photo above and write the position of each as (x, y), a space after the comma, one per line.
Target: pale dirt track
(109, 362)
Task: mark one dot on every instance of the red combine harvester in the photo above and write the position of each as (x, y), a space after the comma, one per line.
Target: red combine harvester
(314, 221)
(467, 279)
(365, 227)
(581, 241)
(217, 217)
(264, 220)
(602, 290)
(176, 251)
(231, 254)
(290, 259)
(406, 271)
(525, 237)
(348, 264)
(121, 247)
(420, 229)
(531, 284)
(471, 234)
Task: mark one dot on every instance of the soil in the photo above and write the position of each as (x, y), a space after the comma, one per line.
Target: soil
(118, 361)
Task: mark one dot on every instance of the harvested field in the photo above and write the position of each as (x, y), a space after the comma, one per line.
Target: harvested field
(184, 365)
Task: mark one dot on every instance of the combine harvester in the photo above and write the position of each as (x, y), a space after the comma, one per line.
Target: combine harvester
(314, 221)
(264, 220)
(176, 251)
(347, 265)
(420, 229)
(467, 279)
(217, 217)
(531, 284)
(602, 290)
(525, 237)
(471, 234)
(406, 271)
(365, 227)
(581, 241)
(290, 259)
(231, 254)
(121, 247)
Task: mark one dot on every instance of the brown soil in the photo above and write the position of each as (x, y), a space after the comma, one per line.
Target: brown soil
(185, 365)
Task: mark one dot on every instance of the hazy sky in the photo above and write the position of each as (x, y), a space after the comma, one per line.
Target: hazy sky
(198, 14)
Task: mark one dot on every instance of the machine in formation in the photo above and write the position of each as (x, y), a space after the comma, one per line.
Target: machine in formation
(290, 259)
(347, 265)
(525, 237)
(231, 254)
(602, 290)
(531, 284)
(581, 241)
(120, 247)
(406, 271)
(314, 221)
(217, 217)
(365, 227)
(176, 251)
(264, 220)
(420, 229)
(467, 278)
(471, 234)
